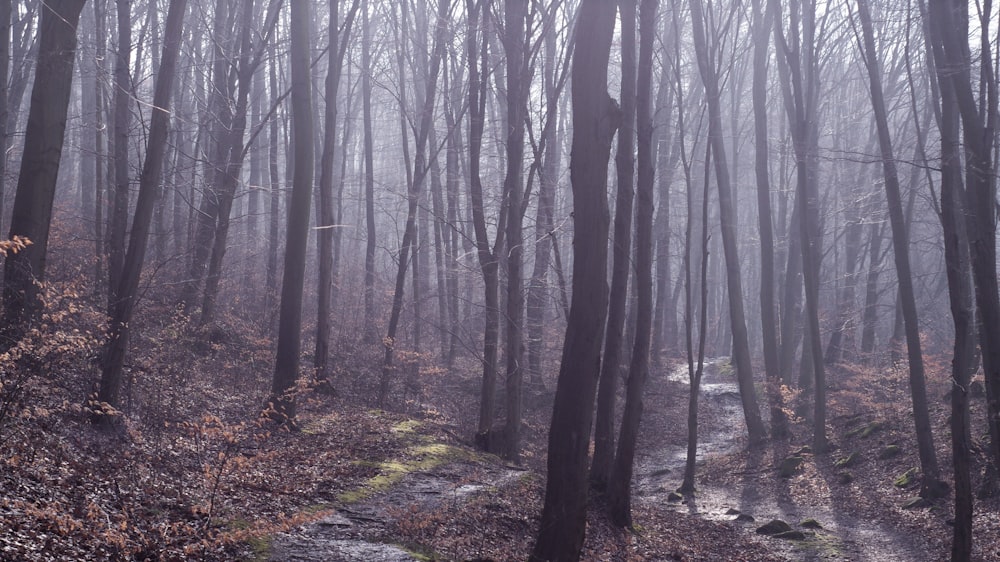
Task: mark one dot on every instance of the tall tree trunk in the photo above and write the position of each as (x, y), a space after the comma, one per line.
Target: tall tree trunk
(595, 118)
(517, 82)
(127, 285)
(36, 182)
(949, 21)
(327, 220)
(286, 362)
(768, 309)
(621, 255)
(619, 487)
(122, 123)
(963, 364)
(366, 97)
(931, 484)
(477, 59)
(727, 213)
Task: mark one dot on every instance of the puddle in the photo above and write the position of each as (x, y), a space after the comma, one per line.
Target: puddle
(843, 536)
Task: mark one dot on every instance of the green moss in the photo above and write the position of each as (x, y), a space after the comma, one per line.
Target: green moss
(316, 508)
(419, 458)
(848, 461)
(261, 547)
(406, 427)
(906, 478)
(865, 430)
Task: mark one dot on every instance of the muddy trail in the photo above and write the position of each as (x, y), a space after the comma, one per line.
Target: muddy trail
(359, 529)
(760, 494)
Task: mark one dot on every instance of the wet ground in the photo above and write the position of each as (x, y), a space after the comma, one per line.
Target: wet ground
(760, 492)
(358, 532)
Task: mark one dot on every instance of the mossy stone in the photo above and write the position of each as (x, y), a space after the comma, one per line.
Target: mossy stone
(845, 477)
(674, 497)
(906, 478)
(916, 503)
(791, 535)
(865, 430)
(744, 518)
(810, 524)
(774, 527)
(790, 466)
(889, 451)
(848, 461)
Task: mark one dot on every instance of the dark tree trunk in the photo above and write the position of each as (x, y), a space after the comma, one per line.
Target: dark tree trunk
(286, 363)
(621, 255)
(949, 20)
(127, 285)
(931, 485)
(36, 182)
(477, 59)
(117, 222)
(366, 97)
(518, 82)
(957, 268)
(619, 487)
(595, 118)
(768, 308)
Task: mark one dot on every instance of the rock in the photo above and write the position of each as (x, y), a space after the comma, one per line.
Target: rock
(744, 518)
(805, 450)
(674, 497)
(916, 503)
(849, 460)
(906, 478)
(865, 430)
(773, 527)
(790, 466)
(845, 477)
(732, 511)
(889, 451)
(810, 524)
(791, 535)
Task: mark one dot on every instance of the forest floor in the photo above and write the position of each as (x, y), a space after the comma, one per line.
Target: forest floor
(193, 473)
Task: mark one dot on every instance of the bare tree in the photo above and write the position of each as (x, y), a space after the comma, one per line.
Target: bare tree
(36, 182)
(595, 119)
(286, 362)
(127, 284)
(707, 65)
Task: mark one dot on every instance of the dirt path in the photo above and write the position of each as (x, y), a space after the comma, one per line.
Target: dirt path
(359, 530)
(760, 492)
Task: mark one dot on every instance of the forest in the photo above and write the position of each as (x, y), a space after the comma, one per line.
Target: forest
(518, 280)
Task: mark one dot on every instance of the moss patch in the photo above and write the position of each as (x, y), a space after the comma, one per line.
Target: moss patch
(420, 457)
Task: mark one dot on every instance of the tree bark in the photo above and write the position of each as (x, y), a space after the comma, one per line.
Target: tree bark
(286, 363)
(127, 285)
(931, 484)
(619, 488)
(595, 118)
(36, 182)
(621, 256)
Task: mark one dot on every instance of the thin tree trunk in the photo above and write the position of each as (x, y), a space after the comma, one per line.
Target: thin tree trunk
(127, 285)
(727, 213)
(931, 484)
(619, 488)
(122, 123)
